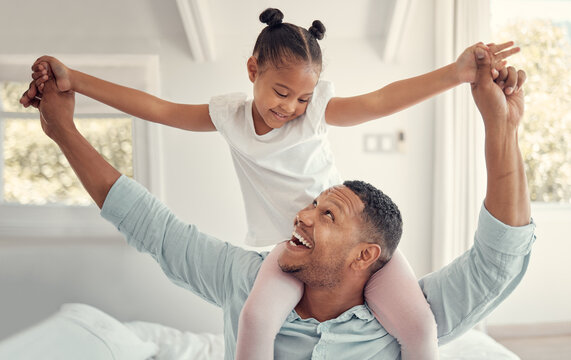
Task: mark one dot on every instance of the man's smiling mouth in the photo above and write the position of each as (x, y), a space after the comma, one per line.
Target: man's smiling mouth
(298, 240)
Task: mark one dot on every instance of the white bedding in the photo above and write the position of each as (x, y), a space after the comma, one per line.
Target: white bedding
(175, 344)
(77, 331)
(80, 331)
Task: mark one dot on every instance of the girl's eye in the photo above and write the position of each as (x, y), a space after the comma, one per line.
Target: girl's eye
(303, 101)
(280, 94)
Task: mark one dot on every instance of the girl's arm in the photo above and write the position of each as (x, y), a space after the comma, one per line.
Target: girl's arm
(402, 94)
(128, 100)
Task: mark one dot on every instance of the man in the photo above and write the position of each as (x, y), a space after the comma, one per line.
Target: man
(330, 250)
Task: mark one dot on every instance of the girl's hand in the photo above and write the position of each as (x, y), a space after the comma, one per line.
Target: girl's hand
(60, 72)
(466, 62)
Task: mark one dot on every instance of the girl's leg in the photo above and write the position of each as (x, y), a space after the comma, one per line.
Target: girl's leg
(272, 298)
(394, 296)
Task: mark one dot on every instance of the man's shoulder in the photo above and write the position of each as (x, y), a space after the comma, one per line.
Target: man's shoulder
(244, 266)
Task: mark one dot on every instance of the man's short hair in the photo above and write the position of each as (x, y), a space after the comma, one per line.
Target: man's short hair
(382, 221)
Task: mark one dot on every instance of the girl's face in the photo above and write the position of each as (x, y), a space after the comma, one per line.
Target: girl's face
(280, 94)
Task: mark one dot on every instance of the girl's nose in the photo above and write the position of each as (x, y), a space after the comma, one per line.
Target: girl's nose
(289, 106)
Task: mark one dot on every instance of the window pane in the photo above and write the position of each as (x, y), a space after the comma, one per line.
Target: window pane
(545, 133)
(36, 172)
(10, 93)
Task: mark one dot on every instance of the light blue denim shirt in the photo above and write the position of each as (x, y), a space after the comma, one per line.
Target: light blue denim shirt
(460, 294)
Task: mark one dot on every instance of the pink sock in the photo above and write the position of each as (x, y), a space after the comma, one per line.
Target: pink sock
(394, 296)
(272, 298)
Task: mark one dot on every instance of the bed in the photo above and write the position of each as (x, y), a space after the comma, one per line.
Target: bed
(80, 331)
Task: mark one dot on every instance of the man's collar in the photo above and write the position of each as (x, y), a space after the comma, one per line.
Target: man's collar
(359, 311)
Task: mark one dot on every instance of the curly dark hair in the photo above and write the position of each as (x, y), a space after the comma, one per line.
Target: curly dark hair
(280, 43)
(382, 220)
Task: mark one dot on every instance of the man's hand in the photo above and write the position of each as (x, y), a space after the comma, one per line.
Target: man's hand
(46, 68)
(56, 110)
(56, 114)
(498, 105)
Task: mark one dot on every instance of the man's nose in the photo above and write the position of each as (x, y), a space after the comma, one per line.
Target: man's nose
(305, 217)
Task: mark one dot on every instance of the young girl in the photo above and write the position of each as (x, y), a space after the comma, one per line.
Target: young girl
(282, 158)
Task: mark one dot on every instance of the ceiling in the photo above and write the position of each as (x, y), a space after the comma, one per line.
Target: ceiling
(212, 24)
(204, 29)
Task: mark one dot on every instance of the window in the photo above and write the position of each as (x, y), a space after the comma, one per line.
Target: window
(543, 31)
(34, 170)
(39, 193)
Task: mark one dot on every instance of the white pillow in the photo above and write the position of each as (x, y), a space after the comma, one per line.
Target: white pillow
(77, 331)
(475, 345)
(175, 344)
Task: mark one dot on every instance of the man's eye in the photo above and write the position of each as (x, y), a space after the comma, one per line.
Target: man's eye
(330, 214)
(314, 203)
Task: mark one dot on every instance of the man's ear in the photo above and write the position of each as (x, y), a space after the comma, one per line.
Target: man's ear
(252, 66)
(367, 254)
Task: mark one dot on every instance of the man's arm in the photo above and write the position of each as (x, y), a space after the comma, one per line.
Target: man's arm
(207, 266)
(507, 198)
(94, 172)
(468, 289)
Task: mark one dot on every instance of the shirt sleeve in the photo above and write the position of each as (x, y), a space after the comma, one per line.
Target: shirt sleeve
(322, 94)
(211, 268)
(468, 289)
(224, 108)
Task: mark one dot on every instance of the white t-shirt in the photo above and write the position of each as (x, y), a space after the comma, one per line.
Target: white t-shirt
(282, 171)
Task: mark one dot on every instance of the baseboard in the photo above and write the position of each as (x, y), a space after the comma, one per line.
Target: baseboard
(499, 332)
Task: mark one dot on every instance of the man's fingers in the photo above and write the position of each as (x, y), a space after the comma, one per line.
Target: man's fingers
(40, 81)
(35, 102)
(511, 81)
(521, 77)
(31, 97)
(503, 75)
(31, 92)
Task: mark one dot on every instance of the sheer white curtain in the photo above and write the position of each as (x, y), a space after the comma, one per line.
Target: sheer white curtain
(459, 174)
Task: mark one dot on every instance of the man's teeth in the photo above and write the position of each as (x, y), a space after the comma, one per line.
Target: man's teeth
(301, 240)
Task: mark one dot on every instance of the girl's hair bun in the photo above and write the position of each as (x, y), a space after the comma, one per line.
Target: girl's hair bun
(317, 29)
(271, 16)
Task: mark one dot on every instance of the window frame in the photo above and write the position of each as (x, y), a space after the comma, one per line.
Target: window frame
(64, 221)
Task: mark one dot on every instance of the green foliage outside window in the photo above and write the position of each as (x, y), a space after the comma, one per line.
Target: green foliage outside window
(545, 132)
(34, 169)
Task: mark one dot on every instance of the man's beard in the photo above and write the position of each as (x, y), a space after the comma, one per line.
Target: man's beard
(290, 269)
(315, 276)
